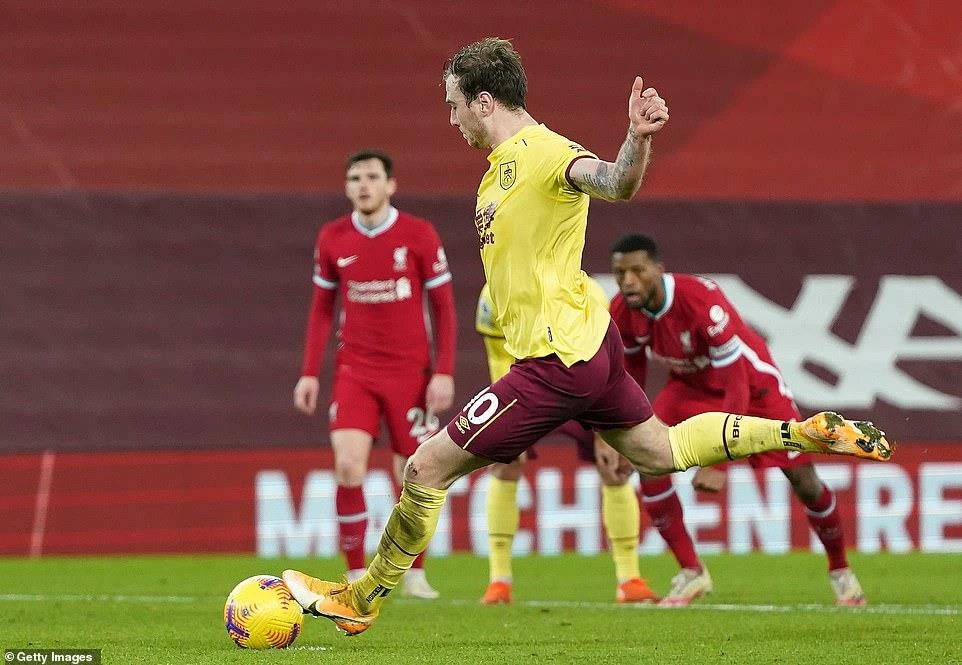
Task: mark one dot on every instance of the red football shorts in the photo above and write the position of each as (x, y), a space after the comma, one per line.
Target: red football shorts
(359, 401)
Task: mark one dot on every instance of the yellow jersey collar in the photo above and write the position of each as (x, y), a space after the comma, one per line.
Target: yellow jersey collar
(523, 133)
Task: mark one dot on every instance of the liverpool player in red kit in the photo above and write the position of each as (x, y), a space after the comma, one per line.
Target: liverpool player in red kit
(379, 262)
(716, 363)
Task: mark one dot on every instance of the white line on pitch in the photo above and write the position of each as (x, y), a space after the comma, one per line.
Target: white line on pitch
(928, 610)
(919, 610)
(100, 598)
(924, 610)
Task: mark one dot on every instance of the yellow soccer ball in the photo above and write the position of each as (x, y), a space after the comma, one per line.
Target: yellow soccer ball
(261, 613)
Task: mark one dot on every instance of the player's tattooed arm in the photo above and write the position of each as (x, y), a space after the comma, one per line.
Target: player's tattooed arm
(620, 179)
(617, 180)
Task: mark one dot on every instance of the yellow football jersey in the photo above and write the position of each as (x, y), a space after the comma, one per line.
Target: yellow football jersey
(499, 360)
(531, 224)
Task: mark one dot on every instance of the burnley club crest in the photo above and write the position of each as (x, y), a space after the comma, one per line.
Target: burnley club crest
(507, 174)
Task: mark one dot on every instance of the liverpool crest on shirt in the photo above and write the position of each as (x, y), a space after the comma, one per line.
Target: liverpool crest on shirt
(400, 258)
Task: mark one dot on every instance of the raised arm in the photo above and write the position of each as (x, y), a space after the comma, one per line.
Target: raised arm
(620, 179)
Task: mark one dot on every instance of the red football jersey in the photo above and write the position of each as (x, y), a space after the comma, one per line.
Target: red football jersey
(696, 333)
(380, 276)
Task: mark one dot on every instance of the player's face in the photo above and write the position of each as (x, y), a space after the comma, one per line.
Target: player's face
(368, 187)
(464, 115)
(639, 279)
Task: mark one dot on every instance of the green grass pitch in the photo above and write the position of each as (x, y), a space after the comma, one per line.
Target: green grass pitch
(765, 609)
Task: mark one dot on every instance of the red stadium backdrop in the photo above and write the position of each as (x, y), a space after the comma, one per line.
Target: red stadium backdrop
(280, 502)
(824, 100)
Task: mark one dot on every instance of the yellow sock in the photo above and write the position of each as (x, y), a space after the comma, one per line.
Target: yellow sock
(503, 520)
(715, 437)
(622, 519)
(407, 534)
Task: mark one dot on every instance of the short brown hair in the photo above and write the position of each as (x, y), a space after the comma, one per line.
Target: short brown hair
(490, 65)
(363, 155)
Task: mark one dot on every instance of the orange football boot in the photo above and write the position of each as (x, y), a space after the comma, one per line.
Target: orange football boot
(497, 593)
(331, 600)
(635, 590)
(835, 435)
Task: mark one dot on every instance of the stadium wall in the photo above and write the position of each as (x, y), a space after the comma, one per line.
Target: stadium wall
(136, 321)
(280, 502)
(151, 342)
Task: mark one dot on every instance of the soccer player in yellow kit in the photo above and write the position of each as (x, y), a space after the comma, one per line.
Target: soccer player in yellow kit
(531, 217)
(620, 512)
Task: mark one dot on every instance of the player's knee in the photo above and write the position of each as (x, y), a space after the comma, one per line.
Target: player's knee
(511, 471)
(419, 468)
(432, 464)
(349, 471)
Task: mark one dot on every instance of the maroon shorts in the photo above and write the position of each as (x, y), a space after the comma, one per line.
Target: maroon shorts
(541, 394)
(359, 400)
(584, 440)
(679, 401)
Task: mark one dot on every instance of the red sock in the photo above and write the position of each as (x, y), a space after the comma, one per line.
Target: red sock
(351, 524)
(419, 561)
(822, 514)
(663, 507)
